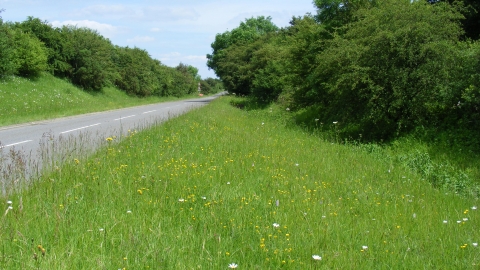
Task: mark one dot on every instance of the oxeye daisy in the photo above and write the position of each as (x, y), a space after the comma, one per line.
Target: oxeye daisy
(233, 265)
(316, 257)
(276, 225)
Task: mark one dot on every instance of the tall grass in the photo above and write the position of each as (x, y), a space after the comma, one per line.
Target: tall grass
(25, 100)
(222, 186)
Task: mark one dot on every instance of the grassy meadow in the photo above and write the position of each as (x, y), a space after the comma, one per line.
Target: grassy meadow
(26, 100)
(223, 187)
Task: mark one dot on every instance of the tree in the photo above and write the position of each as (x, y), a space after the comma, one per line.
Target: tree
(89, 56)
(55, 44)
(336, 13)
(471, 10)
(7, 50)
(30, 55)
(247, 32)
(385, 75)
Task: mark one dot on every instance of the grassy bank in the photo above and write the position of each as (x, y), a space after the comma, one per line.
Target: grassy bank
(222, 185)
(26, 100)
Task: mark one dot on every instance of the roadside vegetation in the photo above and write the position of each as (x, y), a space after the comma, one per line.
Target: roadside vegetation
(383, 69)
(351, 142)
(46, 97)
(221, 186)
(90, 61)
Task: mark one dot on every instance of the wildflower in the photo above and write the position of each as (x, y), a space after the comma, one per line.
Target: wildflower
(364, 247)
(9, 202)
(181, 200)
(475, 244)
(109, 139)
(233, 265)
(40, 248)
(228, 183)
(414, 215)
(140, 191)
(335, 122)
(204, 198)
(276, 225)
(288, 109)
(459, 221)
(465, 219)
(316, 119)
(101, 229)
(474, 208)
(296, 164)
(129, 212)
(316, 257)
(445, 222)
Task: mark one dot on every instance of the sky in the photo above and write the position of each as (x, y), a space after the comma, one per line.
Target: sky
(171, 31)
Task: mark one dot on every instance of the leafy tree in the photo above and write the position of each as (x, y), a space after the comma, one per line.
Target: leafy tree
(136, 71)
(306, 40)
(336, 13)
(7, 50)
(386, 72)
(89, 56)
(55, 44)
(247, 32)
(30, 55)
(471, 10)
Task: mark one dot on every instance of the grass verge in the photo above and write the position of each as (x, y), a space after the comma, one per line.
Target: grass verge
(47, 97)
(222, 186)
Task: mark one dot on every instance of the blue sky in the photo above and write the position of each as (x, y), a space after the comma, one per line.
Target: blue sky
(171, 31)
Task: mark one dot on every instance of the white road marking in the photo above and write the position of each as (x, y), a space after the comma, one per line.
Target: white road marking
(123, 117)
(12, 144)
(149, 111)
(80, 128)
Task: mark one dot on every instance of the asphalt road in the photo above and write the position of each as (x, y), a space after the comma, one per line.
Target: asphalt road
(36, 142)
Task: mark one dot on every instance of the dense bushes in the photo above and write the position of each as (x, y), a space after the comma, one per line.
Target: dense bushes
(379, 68)
(87, 59)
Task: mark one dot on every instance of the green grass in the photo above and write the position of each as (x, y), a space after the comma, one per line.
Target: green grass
(26, 100)
(209, 188)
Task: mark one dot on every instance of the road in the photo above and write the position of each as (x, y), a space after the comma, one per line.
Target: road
(26, 148)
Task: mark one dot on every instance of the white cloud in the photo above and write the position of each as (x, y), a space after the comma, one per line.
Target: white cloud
(174, 58)
(103, 11)
(172, 14)
(106, 30)
(140, 39)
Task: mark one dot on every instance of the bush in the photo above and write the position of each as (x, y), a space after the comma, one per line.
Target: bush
(89, 55)
(30, 54)
(7, 64)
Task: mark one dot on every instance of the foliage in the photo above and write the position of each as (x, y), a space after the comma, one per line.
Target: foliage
(471, 10)
(388, 69)
(30, 54)
(211, 86)
(245, 33)
(55, 43)
(219, 186)
(336, 13)
(90, 61)
(7, 50)
(136, 71)
(88, 54)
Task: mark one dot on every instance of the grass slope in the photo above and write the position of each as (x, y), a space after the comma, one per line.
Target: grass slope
(219, 186)
(25, 100)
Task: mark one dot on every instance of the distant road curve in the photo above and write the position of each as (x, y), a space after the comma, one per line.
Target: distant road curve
(28, 138)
